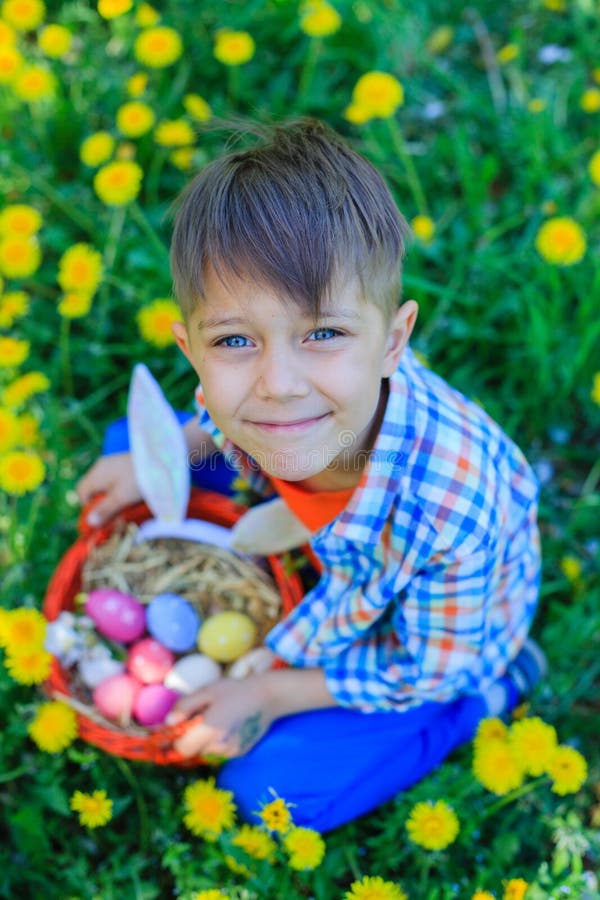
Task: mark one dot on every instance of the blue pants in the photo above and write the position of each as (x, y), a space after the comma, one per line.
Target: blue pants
(333, 764)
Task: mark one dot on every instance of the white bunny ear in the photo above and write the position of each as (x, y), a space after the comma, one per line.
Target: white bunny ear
(158, 448)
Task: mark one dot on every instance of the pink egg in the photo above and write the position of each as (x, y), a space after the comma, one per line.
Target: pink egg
(154, 703)
(115, 697)
(117, 616)
(149, 661)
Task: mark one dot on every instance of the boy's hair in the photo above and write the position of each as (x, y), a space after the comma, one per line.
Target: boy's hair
(294, 213)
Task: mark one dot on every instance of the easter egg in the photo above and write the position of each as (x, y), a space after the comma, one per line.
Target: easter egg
(115, 697)
(149, 661)
(96, 665)
(117, 616)
(227, 635)
(192, 672)
(173, 622)
(153, 704)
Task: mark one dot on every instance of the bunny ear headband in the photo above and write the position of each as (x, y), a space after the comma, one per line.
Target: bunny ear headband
(160, 458)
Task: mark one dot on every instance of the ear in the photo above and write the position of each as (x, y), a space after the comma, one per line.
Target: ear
(180, 333)
(399, 331)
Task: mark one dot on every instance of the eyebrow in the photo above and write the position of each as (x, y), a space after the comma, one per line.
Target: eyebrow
(217, 322)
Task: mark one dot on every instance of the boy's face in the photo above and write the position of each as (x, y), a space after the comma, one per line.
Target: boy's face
(305, 400)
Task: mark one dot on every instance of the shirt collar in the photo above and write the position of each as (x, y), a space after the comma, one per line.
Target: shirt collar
(365, 515)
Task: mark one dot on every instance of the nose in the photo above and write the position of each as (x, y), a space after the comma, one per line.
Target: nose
(280, 376)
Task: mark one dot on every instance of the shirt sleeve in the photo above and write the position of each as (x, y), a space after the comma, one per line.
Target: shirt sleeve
(428, 644)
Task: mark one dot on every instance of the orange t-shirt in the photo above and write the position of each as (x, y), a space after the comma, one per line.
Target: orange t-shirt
(314, 509)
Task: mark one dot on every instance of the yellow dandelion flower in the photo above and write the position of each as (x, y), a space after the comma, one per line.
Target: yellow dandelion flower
(594, 168)
(9, 430)
(55, 41)
(155, 320)
(319, 19)
(374, 888)
(209, 894)
(20, 256)
(34, 83)
(555, 5)
(209, 810)
(197, 107)
(507, 53)
(482, 895)
(561, 241)
(595, 392)
(534, 744)
(54, 727)
(174, 133)
(80, 269)
(75, 305)
(570, 566)
(537, 105)
(21, 472)
(137, 84)
(94, 809)
(424, 228)
(379, 93)
(29, 434)
(21, 389)
(11, 63)
(118, 183)
(4, 620)
(432, 825)
(515, 889)
(23, 15)
(496, 767)
(158, 47)
(8, 35)
(255, 842)
(568, 770)
(20, 219)
(491, 729)
(13, 352)
(13, 306)
(182, 158)
(590, 100)
(233, 48)
(305, 847)
(146, 16)
(357, 114)
(111, 9)
(135, 119)
(29, 668)
(23, 630)
(276, 815)
(97, 149)
(440, 39)
(239, 868)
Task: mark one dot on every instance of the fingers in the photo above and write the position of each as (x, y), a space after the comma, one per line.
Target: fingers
(91, 483)
(199, 739)
(187, 706)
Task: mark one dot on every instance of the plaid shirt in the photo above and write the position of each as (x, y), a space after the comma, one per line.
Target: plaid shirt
(431, 573)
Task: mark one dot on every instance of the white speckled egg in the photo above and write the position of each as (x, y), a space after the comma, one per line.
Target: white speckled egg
(192, 672)
(227, 635)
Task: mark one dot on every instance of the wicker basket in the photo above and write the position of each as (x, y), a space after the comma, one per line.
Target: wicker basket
(154, 745)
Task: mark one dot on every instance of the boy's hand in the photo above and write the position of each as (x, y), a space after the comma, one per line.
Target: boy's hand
(235, 715)
(115, 476)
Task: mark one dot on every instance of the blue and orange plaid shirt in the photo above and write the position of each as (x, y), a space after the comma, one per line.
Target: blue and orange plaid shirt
(430, 575)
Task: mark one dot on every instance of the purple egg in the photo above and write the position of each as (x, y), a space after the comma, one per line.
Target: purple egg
(149, 661)
(117, 616)
(115, 697)
(173, 621)
(153, 704)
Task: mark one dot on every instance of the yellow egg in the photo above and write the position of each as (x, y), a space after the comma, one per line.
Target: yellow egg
(226, 636)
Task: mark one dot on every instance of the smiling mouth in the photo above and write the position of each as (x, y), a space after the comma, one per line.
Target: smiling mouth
(295, 425)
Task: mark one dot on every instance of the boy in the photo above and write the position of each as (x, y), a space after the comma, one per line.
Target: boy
(421, 513)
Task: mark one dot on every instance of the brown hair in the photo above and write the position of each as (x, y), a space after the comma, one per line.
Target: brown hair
(295, 212)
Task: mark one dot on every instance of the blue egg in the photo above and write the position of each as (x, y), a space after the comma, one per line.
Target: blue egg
(173, 621)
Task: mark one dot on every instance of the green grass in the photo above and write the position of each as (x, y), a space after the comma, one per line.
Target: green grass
(501, 324)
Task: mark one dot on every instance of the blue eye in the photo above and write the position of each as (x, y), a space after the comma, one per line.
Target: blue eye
(224, 342)
(322, 331)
